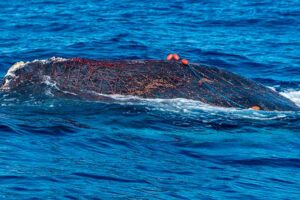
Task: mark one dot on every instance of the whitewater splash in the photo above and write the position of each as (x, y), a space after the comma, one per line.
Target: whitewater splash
(189, 107)
(293, 96)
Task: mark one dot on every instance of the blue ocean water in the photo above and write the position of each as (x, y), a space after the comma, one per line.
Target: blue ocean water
(151, 149)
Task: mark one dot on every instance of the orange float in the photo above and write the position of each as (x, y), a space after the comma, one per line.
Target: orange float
(170, 57)
(176, 56)
(184, 61)
(255, 108)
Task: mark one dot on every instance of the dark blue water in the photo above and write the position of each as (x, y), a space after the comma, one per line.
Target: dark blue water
(151, 149)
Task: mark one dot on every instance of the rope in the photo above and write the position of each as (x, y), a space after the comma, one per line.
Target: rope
(224, 97)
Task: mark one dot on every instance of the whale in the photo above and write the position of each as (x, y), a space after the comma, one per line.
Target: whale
(93, 79)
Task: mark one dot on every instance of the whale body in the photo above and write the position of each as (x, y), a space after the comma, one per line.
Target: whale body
(88, 79)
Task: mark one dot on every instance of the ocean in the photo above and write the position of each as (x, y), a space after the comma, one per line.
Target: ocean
(133, 148)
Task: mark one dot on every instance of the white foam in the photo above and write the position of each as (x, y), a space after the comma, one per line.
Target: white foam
(57, 59)
(14, 68)
(293, 96)
(52, 59)
(18, 65)
(175, 104)
(11, 73)
(48, 81)
(196, 109)
(272, 88)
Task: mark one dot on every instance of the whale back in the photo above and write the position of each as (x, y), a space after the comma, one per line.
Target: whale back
(90, 79)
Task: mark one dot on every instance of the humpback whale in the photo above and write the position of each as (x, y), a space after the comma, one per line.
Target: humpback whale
(87, 78)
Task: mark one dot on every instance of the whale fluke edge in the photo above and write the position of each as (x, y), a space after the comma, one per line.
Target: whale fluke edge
(147, 79)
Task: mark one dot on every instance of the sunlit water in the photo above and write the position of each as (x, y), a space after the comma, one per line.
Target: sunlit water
(133, 148)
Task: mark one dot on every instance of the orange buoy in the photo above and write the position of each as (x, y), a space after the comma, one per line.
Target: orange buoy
(170, 57)
(255, 108)
(176, 56)
(184, 61)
